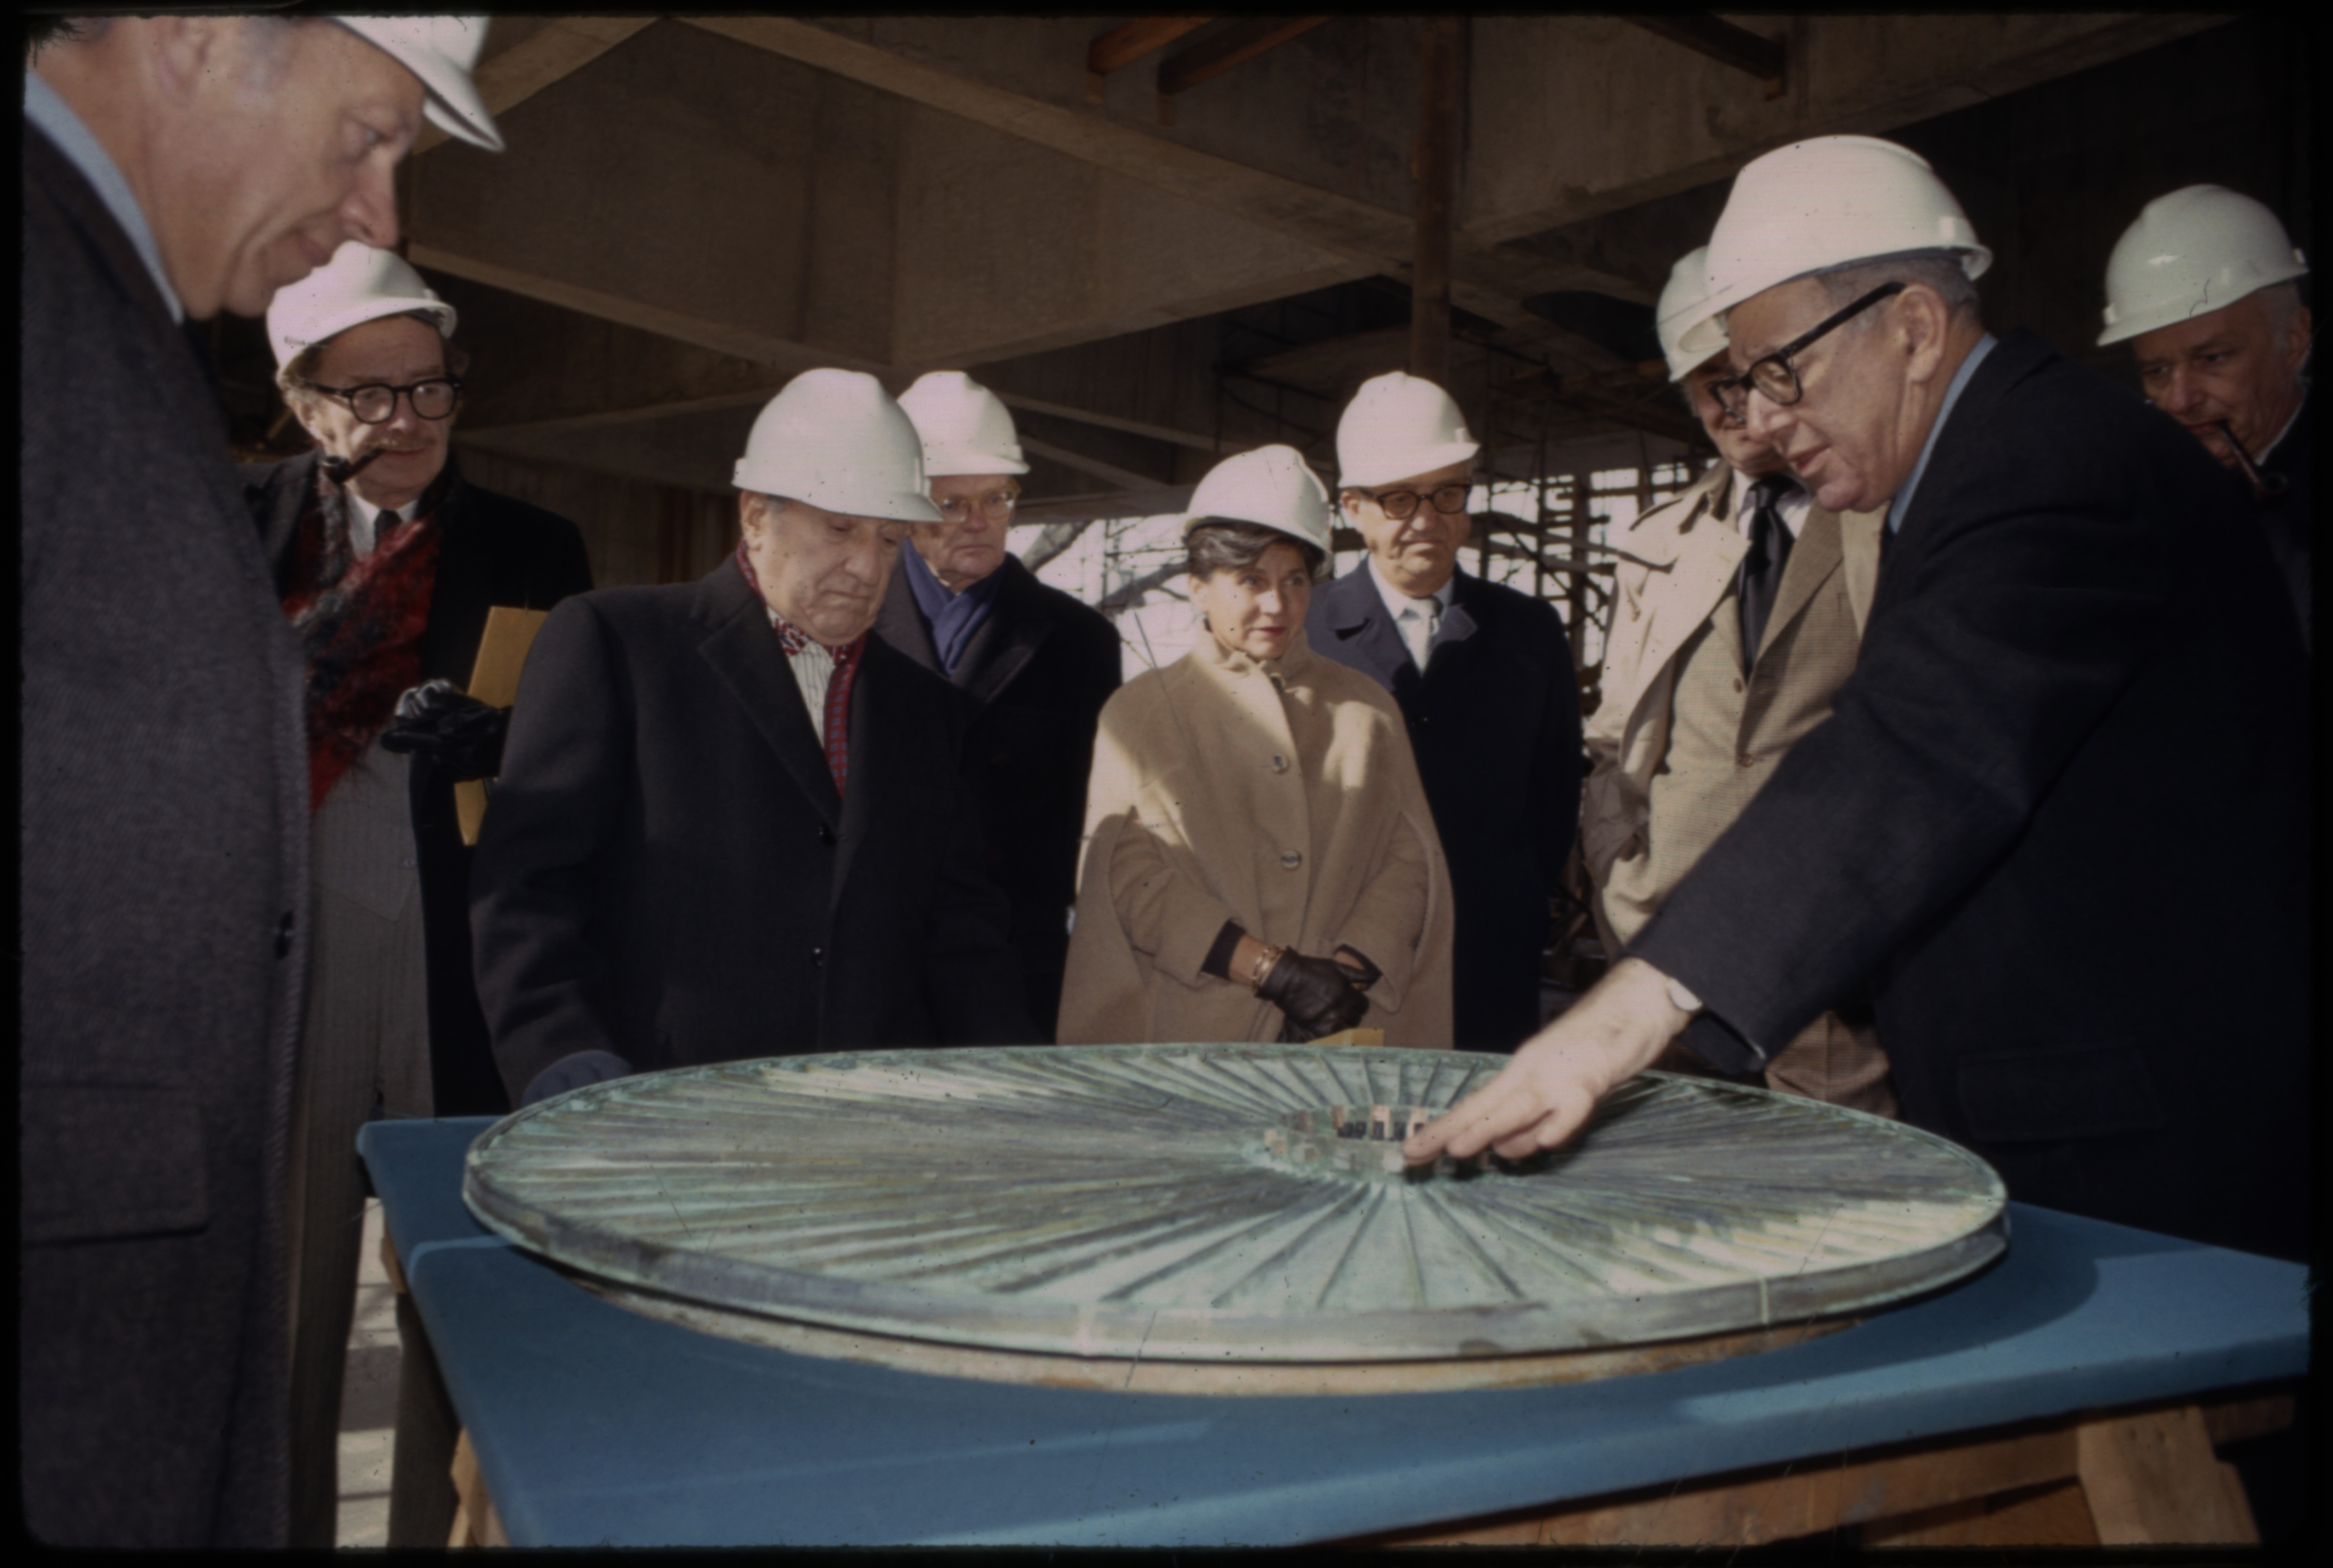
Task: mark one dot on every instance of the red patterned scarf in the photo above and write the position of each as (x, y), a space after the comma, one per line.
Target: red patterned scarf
(793, 638)
(359, 622)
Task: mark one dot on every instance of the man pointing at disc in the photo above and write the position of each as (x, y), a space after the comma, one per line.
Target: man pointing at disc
(2013, 814)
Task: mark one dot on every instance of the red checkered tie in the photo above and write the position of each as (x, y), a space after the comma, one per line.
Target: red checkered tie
(793, 639)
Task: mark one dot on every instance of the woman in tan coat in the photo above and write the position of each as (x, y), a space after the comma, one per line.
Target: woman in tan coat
(1260, 861)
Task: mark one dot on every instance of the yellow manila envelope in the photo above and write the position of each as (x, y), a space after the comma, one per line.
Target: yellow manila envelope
(1353, 1037)
(502, 654)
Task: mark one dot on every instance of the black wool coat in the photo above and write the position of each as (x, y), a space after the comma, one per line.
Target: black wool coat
(492, 550)
(667, 873)
(2059, 818)
(164, 836)
(1494, 721)
(1037, 673)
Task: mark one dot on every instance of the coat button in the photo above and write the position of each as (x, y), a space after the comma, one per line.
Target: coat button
(1280, 764)
(818, 957)
(1292, 860)
(1737, 683)
(825, 835)
(283, 936)
(1744, 760)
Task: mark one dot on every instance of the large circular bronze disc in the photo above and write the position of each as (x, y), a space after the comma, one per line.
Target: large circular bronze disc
(1222, 1202)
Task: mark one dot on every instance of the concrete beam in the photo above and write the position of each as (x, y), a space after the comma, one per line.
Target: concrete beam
(1595, 114)
(1371, 236)
(557, 46)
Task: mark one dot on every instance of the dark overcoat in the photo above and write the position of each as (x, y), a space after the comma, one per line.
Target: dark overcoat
(667, 872)
(2060, 817)
(1037, 672)
(2286, 517)
(164, 831)
(1494, 721)
(492, 550)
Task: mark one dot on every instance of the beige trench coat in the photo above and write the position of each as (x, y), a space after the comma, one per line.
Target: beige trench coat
(1677, 562)
(1284, 799)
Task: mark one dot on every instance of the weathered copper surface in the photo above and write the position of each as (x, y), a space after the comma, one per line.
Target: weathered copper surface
(1169, 1202)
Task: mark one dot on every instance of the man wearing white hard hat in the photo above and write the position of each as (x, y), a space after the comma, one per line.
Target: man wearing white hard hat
(1260, 862)
(1739, 607)
(2205, 288)
(1035, 663)
(729, 822)
(387, 563)
(174, 166)
(2078, 672)
(1486, 682)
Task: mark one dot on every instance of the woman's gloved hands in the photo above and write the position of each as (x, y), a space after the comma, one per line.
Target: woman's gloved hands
(461, 734)
(1319, 995)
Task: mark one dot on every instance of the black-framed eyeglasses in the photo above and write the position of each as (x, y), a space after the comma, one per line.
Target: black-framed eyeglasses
(375, 403)
(996, 506)
(1402, 505)
(1774, 375)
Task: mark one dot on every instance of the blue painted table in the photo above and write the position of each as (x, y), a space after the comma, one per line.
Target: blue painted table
(2087, 1348)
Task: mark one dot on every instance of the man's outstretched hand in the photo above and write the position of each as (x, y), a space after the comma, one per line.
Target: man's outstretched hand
(1548, 1091)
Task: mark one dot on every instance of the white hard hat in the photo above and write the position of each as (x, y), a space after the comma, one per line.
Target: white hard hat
(836, 439)
(1826, 203)
(2194, 251)
(1398, 426)
(359, 283)
(441, 51)
(965, 427)
(1684, 304)
(1271, 486)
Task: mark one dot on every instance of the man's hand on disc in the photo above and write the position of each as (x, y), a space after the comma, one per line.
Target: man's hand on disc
(1546, 1094)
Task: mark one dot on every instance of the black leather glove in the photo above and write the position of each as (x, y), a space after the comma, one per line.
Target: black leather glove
(1357, 967)
(1316, 994)
(462, 735)
(573, 1072)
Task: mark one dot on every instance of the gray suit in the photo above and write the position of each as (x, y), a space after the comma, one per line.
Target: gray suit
(164, 842)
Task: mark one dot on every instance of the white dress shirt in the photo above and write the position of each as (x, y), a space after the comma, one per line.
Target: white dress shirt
(1417, 620)
(1791, 505)
(813, 670)
(364, 522)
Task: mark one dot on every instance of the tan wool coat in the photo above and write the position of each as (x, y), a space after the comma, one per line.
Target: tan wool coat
(1676, 565)
(1283, 797)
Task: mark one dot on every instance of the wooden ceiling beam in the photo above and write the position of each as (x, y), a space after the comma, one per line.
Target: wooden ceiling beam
(1187, 68)
(1128, 41)
(559, 49)
(1724, 43)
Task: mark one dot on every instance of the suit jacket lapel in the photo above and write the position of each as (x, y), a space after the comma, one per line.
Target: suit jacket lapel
(751, 662)
(1707, 552)
(1813, 559)
(901, 624)
(1363, 628)
(1007, 641)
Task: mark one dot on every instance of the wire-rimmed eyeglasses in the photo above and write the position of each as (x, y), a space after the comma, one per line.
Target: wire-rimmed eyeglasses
(996, 506)
(375, 403)
(1774, 375)
(1400, 505)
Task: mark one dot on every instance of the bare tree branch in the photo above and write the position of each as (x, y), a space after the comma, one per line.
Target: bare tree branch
(1124, 597)
(1052, 539)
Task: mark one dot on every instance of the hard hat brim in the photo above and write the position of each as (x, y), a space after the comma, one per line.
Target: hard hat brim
(2141, 322)
(1428, 461)
(951, 463)
(325, 330)
(454, 105)
(1193, 519)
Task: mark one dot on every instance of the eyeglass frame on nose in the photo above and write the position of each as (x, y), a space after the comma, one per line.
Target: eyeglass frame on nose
(347, 395)
(1733, 393)
(1012, 500)
(1463, 487)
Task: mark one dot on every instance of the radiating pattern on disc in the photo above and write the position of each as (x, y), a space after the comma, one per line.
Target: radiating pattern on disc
(1122, 1201)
